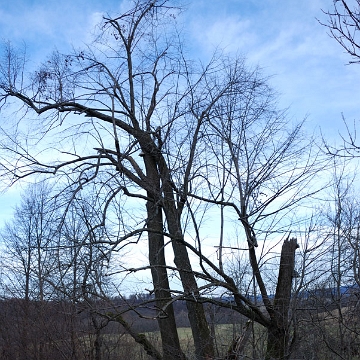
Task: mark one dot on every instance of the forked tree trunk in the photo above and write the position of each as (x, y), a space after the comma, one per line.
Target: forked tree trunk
(166, 317)
(203, 342)
(278, 332)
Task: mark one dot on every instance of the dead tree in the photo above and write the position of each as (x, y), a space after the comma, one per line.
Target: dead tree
(278, 330)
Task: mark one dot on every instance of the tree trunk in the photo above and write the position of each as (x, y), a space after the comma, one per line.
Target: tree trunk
(278, 331)
(166, 319)
(199, 326)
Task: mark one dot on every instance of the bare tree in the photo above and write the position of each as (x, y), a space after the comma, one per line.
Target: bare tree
(133, 87)
(55, 270)
(333, 298)
(26, 241)
(140, 123)
(28, 262)
(259, 171)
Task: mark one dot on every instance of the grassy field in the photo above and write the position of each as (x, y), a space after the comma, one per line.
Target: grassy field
(124, 347)
(310, 342)
(224, 335)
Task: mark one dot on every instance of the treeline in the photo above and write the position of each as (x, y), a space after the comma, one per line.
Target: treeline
(328, 326)
(59, 329)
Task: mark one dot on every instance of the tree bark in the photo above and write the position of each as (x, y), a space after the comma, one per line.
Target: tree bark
(278, 331)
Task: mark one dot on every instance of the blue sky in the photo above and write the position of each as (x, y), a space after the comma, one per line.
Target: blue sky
(307, 68)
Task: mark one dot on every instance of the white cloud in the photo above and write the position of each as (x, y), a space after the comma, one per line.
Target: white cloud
(230, 32)
(288, 42)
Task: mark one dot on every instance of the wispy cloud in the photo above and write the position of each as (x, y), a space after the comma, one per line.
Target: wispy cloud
(287, 41)
(45, 25)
